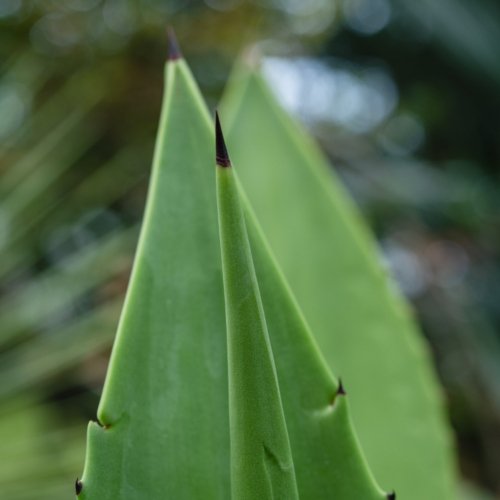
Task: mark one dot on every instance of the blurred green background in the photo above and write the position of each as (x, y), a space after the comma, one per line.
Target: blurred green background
(403, 96)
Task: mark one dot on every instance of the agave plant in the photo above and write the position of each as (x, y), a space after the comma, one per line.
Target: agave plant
(252, 284)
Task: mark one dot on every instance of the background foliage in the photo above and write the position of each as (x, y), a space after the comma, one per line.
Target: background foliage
(402, 95)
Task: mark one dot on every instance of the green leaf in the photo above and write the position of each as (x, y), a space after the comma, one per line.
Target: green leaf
(330, 260)
(164, 429)
(261, 459)
(328, 463)
(164, 413)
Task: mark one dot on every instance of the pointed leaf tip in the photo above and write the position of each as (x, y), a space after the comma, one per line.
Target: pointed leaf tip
(221, 156)
(341, 389)
(174, 51)
(78, 486)
(391, 495)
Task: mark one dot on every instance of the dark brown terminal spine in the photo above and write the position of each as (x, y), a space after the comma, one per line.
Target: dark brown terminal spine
(221, 156)
(174, 52)
(391, 495)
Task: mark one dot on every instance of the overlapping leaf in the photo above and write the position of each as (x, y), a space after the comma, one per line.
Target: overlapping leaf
(326, 458)
(261, 459)
(361, 324)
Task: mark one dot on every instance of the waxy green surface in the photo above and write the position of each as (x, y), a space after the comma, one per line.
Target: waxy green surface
(259, 307)
(328, 460)
(261, 459)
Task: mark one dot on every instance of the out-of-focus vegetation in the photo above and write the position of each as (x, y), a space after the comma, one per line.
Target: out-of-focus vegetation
(402, 95)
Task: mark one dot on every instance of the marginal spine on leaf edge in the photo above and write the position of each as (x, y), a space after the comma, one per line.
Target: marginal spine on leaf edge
(221, 155)
(78, 486)
(174, 52)
(341, 389)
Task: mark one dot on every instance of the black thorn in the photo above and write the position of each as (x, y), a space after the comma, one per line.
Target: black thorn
(341, 389)
(221, 156)
(391, 495)
(174, 52)
(78, 486)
